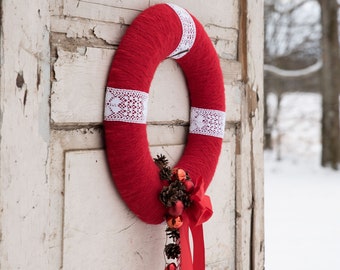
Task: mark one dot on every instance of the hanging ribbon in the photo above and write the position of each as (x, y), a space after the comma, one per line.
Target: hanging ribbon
(193, 218)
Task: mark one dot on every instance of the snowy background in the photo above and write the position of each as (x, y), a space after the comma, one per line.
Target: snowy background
(302, 199)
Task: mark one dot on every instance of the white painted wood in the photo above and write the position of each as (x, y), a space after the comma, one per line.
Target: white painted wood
(64, 140)
(51, 185)
(244, 195)
(249, 172)
(121, 13)
(125, 11)
(80, 79)
(90, 138)
(111, 33)
(24, 129)
(168, 88)
(231, 71)
(220, 229)
(99, 231)
(224, 39)
(56, 7)
(79, 87)
(117, 11)
(233, 102)
(209, 12)
(255, 67)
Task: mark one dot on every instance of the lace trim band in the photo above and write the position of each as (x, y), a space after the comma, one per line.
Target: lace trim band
(188, 32)
(125, 105)
(207, 122)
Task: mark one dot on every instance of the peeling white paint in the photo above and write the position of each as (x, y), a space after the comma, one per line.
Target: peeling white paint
(52, 142)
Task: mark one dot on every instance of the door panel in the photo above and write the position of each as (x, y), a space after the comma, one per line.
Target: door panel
(100, 232)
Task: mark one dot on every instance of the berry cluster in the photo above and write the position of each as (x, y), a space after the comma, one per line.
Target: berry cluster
(175, 196)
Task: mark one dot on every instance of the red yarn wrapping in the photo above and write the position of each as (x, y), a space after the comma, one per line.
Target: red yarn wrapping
(152, 36)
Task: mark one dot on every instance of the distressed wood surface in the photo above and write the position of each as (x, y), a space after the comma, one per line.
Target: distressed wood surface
(249, 153)
(122, 12)
(80, 79)
(109, 20)
(53, 171)
(99, 231)
(256, 103)
(126, 11)
(24, 132)
(64, 140)
(97, 222)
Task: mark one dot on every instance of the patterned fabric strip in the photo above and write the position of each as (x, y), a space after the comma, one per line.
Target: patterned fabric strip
(207, 122)
(188, 32)
(125, 105)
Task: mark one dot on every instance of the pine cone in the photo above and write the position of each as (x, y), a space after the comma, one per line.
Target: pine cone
(172, 251)
(165, 197)
(186, 200)
(161, 161)
(174, 192)
(173, 233)
(170, 194)
(165, 173)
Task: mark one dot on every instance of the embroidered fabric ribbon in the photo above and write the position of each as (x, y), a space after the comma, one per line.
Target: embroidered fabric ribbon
(193, 218)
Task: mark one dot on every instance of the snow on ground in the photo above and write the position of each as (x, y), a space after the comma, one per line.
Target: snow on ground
(302, 199)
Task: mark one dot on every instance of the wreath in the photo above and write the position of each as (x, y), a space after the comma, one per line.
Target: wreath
(149, 187)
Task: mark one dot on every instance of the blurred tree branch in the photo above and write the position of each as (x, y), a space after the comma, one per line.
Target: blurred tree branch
(292, 47)
(302, 40)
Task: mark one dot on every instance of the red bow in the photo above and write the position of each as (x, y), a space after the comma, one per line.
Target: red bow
(198, 213)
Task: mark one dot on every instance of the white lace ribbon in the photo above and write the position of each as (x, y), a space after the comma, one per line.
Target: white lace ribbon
(207, 122)
(125, 105)
(188, 32)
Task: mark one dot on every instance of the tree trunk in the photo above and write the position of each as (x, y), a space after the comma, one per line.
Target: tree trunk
(266, 126)
(330, 84)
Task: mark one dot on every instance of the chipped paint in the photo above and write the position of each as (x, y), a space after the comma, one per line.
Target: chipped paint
(56, 71)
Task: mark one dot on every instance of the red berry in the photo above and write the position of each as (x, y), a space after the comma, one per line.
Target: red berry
(174, 222)
(171, 266)
(189, 185)
(165, 183)
(181, 174)
(178, 174)
(177, 209)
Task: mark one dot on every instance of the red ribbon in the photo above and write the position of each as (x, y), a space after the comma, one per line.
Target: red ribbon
(193, 218)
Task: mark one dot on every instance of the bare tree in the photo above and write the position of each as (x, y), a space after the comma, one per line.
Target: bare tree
(295, 60)
(291, 44)
(330, 83)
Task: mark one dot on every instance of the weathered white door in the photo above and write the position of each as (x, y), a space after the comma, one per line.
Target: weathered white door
(58, 206)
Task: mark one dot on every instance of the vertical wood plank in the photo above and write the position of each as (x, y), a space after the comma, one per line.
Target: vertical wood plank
(249, 206)
(64, 140)
(32, 166)
(24, 130)
(255, 105)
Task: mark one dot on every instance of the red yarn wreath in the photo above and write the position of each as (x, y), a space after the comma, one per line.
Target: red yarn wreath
(160, 32)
